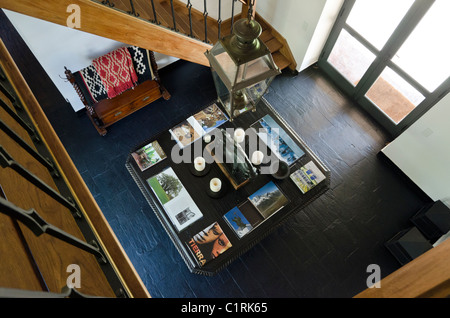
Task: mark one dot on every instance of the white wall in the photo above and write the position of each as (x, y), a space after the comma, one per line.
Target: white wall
(297, 21)
(322, 32)
(422, 152)
(56, 46)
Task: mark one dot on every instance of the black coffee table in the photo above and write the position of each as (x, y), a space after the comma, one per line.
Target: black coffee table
(214, 208)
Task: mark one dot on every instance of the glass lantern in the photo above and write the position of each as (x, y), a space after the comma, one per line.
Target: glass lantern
(242, 68)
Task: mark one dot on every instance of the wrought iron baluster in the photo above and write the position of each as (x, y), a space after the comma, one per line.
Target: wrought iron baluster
(219, 20)
(20, 121)
(10, 95)
(189, 6)
(32, 220)
(107, 2)
(6, 161)
(44, 161)
(7, 93)
(173, 16)
(2, 75)
(232, 15)
(205, 15)
(133, 12)
(154, 14)
(27, 249)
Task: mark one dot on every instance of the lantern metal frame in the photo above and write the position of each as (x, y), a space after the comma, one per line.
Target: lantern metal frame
(243, 48)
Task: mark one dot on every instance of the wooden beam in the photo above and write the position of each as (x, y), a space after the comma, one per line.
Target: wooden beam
(109, 23)
(426, 276)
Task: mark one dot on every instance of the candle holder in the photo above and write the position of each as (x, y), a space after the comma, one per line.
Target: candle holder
(199, 173)
(280, 170)
(216, 182)
(239, 135)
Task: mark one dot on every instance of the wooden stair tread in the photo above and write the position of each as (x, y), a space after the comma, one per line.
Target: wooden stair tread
(266, 35)
(281, 61)
(274, 45)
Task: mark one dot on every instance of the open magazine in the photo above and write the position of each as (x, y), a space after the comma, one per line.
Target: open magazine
(277, 139)
(177, 202)
(198, 125)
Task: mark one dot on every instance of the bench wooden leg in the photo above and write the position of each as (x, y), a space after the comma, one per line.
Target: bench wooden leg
(102, 131)
(165, 94)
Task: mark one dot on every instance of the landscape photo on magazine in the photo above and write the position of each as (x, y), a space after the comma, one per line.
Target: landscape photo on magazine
(176, 201)
(148, 155)
(277, 139)
(268, 199)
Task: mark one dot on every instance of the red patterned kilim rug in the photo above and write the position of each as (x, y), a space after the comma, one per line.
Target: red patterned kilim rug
(116, 71)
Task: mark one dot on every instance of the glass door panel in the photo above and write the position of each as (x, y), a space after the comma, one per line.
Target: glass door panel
(395, 55)
(376, 20)
(350, 57)
(394, 96)
(425, 55)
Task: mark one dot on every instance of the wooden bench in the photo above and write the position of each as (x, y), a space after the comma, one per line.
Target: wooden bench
(105, 112)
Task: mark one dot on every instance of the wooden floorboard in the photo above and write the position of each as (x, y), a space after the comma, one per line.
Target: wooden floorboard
(323, 251)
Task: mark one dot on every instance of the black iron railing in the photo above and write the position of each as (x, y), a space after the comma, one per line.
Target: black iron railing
(169, 13)
(15, 115)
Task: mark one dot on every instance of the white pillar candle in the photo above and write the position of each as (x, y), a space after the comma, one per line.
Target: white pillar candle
(257, 157)
(207, 138)
(239, 135)
(215, 184)
(199, 163)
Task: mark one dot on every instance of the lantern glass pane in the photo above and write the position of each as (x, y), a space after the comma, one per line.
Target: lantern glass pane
(222, 92)
(256, 91)
(254, 68)
(228, 66)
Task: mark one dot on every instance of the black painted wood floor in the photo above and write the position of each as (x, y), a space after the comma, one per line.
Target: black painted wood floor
(323, 251)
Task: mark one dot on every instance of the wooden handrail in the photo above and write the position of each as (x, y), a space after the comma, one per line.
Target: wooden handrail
(426, 276)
